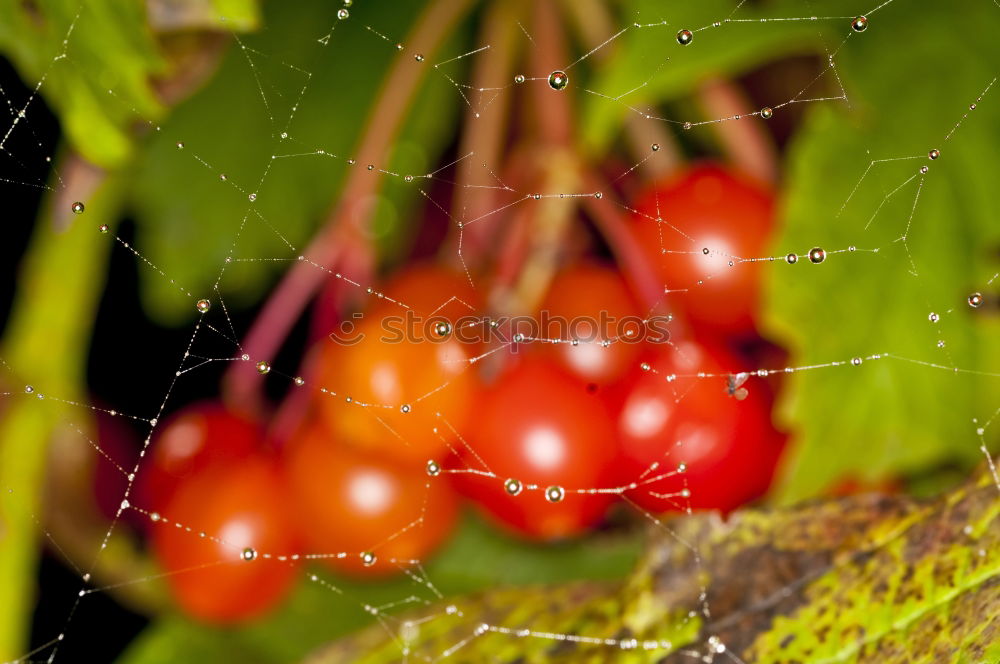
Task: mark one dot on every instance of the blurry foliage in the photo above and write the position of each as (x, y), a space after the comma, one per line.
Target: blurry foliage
(908, 81)
(906, 92)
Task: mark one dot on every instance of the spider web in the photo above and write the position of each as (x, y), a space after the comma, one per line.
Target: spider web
(889, 186)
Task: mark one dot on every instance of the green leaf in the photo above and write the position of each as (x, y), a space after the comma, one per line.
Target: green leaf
(477, 557)
(655, 68)
(107, 46)
(234, 126)
(891, 415)
(865, 580)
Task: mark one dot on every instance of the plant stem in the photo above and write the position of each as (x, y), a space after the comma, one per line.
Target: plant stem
(744, 141)
(242, 384)
(45, 346)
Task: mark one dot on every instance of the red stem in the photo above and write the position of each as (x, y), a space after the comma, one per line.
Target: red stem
(242, 385)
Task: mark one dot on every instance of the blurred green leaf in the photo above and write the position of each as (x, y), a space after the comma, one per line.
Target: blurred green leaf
(651, 67)
(890, 415)
(235, 126)
(107, 46)
(477, 558)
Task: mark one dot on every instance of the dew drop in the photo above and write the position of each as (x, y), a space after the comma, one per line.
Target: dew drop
(687, 125)
(791, 259)
(555, 494)
(252, 197)
(655, 147)
(342, 13)
(408, 178)
(419, 57)
(975, 300)
(77, 207)
(368, 558)
(856, 361)
(685, 37)
(512, 487)
(154, 516)
(859, 24)
(924, 169)
(442, 328)
(248, 554)
(263, 367)
(180, 145)
(817, 255)
(933, 317)
(299, 381)
(519, 78)
(558, 80)
(645, 366)
(28, 389)
(433, 468)
(103, 228)
(203, 305)
(767, 112)
(934, 154)
(405, 408)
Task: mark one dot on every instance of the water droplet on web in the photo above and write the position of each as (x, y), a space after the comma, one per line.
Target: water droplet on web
(767, 112)
(685, 493)
(244, 357)
(125, 504)
(418, 57)
(399, 47)
(852, 248)
(687, 125)
(263, 367)
(77, 207)
(817, 255)
(180, 145)
(248, 554)
(598, 194)
(299, 381)
(682, 467)
(343, 14)
(940, 343)
(933, 317)
(975, 300)
(859, 24)
(442, 329)
(512, 487)
(252, 197)
(519, 78)
(924, 169)
(405, 408)
(203, 305)
(433, 468)
(28, 389)
(103, 228)
(704, 250)
(856, 361)
(645, 366)
(555, 494)
(655, 147)
(154, 516)
(408, 178)
(558, 80)
(685, 37)
(368, 558)
(934, 154)
(791, 259)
